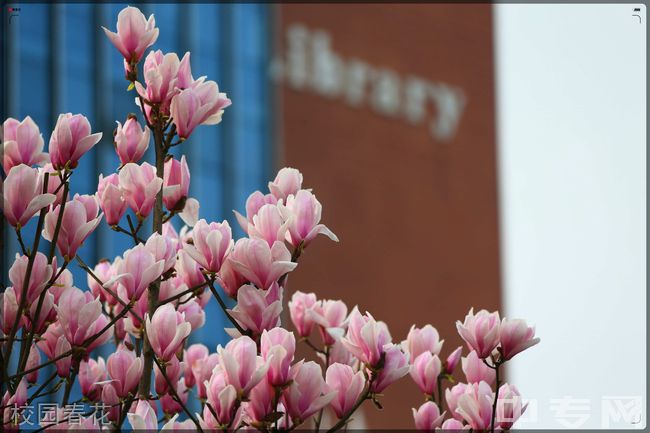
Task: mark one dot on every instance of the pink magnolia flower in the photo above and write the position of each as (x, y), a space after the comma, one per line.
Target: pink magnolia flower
(241, 368)
(452, 360)
(480, 331)
(395, 367)
(188, 270)
(163, 249)
(287, 182)
(63, 282)
(111, 401)
(22, 144)
(9, 311)
(125, 370)
(453, 424)
(11, 401)
(300, 306)
(104, 272)
(268, 225)
(308, 393)
(257, 309)
(451, 397)
(41, 274)
(169, 404)
(476, 371)
(366, 338)
(70, 139)
(33, 361)
(53, 344)
(229, 278)
(45, 316)
(201, 104)
(212, 243)
(167, 330)
(76, 226)
(330, 317)
(134, 33)
(277, 348)
(348, 386)
(139, 185)
(427, 418)
(193, 356)
(221, 396)
(80, 316)
(516, 336)
(203, 371)
(260, 405)
(144, 417)
(509, 406)
(131, 141)
(194, 313)
(260, 264)
(475, 405)
(425, 370)
(110, 198)
(254, 203)
(22, 194)
(173, 370)
(338, 353)
(420, 340)
(303, 211)
(176, 184)
(90, 373)
(136, 271)
(164, 75)
(53, 182)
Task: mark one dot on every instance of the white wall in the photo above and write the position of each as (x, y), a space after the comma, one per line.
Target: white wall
(572, 154)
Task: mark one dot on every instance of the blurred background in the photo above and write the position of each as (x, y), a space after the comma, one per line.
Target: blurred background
(465, 155)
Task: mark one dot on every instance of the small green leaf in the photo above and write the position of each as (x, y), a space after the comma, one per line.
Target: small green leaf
(131, 87)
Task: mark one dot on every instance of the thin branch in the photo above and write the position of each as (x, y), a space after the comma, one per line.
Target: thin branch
(224, 307)
(172, 388)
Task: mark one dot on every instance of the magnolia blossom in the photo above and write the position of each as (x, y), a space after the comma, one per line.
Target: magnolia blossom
(308, 393)
(254, 203)
(287, 182)
(451, 397)
(164, 74)
(300, 308)
(9, 312)
(22, 194)
(480, 331)
(348, 386)
(125, 370)
(40, 276)
(173, 370)
(221, 396)
(167, 330)
(134, 33)
(509, 406)
(111, 199)
(260, 264)
(268, 225)
(22, 143)
(476, 371)
(90, 373)
(202, 371)
(201, 104)
(277, 348)
(33, 361)
(144, 417)
(193, 356)
(212, 243)
(424, 371)
(475, 405)
(258, 309)
(70, 139)
(516, 336)
(80, 316)
(452, 360)
(53, 343)
(420, 340)
(330, 316)
(240, 364)
(131, 141)
(139, 268)
(366, 337)
(194, 313)
(79, 220)
(168, 402)
(53, 182)
(303, 211)
(395, 367)
(260, 405)
(176, 183)
(163, 249)
(139, 185)
(427, 418)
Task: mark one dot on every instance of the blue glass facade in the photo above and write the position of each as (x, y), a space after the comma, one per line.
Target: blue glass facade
(60, 61)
